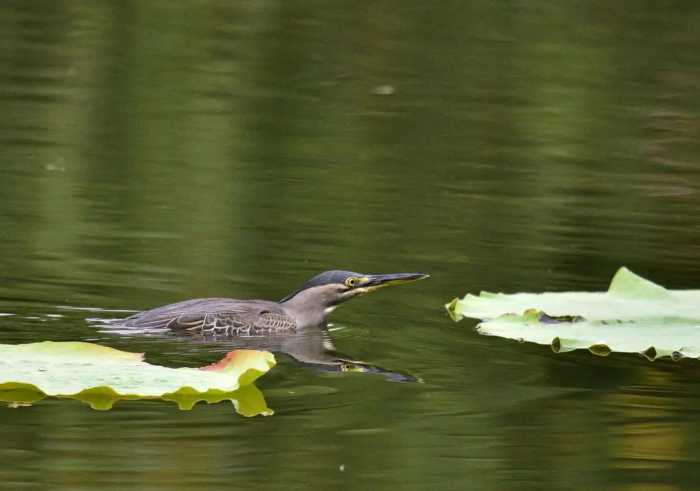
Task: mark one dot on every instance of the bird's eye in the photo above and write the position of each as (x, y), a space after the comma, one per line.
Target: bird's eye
(351, 282)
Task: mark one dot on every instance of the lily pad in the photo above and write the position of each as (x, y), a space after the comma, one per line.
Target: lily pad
(101, 375)
(635, 315)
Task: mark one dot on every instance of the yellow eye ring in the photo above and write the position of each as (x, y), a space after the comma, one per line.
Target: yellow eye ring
(351, 282)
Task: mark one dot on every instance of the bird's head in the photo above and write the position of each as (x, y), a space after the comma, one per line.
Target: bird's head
(331, 288)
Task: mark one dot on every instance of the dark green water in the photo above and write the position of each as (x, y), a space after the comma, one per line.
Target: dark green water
(157, 151)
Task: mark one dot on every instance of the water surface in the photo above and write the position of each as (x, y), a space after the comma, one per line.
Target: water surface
(156, 151)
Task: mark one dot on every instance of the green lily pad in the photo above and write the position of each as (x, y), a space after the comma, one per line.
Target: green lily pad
(101, 376)
(633, 316)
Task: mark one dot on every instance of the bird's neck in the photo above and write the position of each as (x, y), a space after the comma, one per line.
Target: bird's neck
(306, 310)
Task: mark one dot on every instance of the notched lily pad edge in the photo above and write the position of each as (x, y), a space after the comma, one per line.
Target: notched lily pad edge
(47, 369)
(559, 345)
(103, 398)
(625, 284)
(602, 349)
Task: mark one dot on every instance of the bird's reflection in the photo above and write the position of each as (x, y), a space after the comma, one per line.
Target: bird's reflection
(314, 348)
(311, 347)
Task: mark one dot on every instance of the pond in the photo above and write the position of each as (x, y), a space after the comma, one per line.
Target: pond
(156, 151)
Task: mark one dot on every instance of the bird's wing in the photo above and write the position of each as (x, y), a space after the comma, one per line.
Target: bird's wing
(216, 316)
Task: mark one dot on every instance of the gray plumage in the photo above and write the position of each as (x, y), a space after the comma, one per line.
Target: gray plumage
(218, 317)
(305, 307)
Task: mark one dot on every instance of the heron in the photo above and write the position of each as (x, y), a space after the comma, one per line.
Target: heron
(305, 307)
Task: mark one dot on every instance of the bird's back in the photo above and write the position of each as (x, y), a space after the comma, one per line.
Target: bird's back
(217, 316)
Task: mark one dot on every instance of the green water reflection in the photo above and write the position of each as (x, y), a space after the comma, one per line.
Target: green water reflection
(157, 151)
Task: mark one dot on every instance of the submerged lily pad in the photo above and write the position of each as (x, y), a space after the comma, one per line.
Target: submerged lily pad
(633, 316)
(100, 376)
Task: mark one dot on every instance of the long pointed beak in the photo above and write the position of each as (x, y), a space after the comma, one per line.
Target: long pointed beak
(375, 281)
